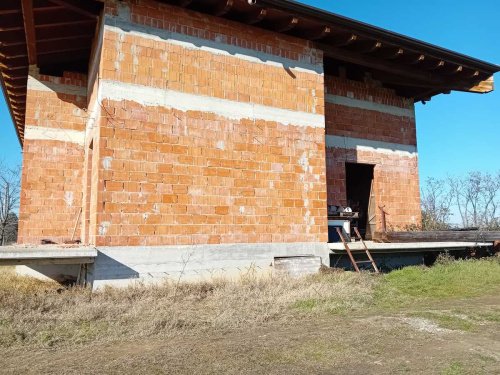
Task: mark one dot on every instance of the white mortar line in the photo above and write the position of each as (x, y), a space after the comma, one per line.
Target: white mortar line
(121, 26)
(360, 144)
(368, 105)
(35, 84)
(54, 134)
(151, 96)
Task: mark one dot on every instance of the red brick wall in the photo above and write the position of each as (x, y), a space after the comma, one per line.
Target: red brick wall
(396, 181)
(52, 168)
(177, 177)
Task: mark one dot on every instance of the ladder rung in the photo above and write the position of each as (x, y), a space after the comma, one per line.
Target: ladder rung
(364, 261)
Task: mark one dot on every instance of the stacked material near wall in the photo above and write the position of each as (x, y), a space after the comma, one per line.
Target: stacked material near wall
(438, 236)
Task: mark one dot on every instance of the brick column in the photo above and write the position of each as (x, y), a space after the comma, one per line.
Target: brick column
(51, 187)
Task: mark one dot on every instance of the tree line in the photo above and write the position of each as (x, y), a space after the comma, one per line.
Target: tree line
(473, 199)
(9, 203)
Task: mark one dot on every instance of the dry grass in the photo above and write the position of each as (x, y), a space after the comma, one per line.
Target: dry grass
(40, 314)
(33, 313)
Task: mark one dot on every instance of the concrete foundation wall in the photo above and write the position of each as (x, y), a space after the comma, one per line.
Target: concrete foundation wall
(120, 266)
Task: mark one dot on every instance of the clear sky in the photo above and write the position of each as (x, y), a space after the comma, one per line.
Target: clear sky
(457, 132)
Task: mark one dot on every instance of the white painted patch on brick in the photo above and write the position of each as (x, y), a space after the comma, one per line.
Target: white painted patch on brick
(220, 145)
(106, 162)
(304, 162)
(151, 96)
(68, 198)
(369, 145)
(370, 105)
(103, 228)
(242, 210)
(35, 84)
(309, 62)
(54, 134)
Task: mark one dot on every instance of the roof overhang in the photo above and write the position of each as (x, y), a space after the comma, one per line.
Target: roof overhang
(51, 35)
(57, 35)
(413, 68)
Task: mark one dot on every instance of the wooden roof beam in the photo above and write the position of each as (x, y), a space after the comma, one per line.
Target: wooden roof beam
(458, 69)
(68, 49)
(435, 66)
(223, 8)
(365, 46)
(255, 18)
(63, 23)
(484, 86)
(320, 34)
(342, 40)
(10, 67)
(9, 11)
(390, 53)
(11, 28)
(83, 8)
(378, 64)
(48, 8)
(286, 25)
(184, 3)
(29, 28)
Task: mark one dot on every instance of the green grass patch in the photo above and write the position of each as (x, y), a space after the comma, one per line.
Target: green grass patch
(454, 368)
(453, 280)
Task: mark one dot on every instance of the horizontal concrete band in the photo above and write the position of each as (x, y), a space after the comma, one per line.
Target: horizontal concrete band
(369, 105)
(54, 134)
(220, 47)
(158, 262)
(360, 144)
(233, 110)
(36, 85)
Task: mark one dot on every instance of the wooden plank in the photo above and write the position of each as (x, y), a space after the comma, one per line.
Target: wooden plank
(29, 29)
(438, 236)
(83, 8)
(484, 86)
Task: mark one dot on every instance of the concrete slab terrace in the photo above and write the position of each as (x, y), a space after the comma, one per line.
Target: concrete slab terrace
(415, 247)
(43, 255)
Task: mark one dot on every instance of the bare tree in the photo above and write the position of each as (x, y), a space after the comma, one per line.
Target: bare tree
(9, 202)
(436, 200)
(477, 198)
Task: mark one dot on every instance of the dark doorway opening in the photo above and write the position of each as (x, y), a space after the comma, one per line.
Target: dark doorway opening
(360, 196)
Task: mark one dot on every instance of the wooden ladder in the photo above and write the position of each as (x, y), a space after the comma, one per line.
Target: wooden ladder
(350, 254)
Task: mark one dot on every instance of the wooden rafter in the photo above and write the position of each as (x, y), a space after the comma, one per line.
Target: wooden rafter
(378, 64)
(29, 28)
(81, 7)
(320, 34)
(286, 25)
(223, 8)
(343, 40)
(255, 18)
(366, 46)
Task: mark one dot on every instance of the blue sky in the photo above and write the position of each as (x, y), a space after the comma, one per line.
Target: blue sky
(457, 132)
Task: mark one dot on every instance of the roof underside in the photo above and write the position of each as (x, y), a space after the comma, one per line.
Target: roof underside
(53, 35)
(56, 35)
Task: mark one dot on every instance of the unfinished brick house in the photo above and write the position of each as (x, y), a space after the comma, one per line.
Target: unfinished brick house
(212, 132)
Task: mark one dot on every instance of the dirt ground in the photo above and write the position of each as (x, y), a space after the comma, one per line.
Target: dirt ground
(453, 337)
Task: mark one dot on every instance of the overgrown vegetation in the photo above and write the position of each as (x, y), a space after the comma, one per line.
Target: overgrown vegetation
(40, 314)
(475, 198)
(9, 202)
